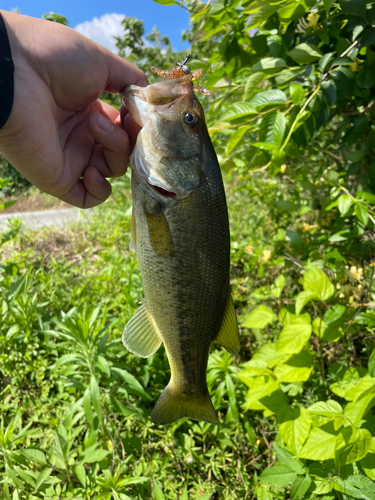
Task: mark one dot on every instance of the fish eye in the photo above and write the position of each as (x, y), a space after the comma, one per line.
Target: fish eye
(190, 118)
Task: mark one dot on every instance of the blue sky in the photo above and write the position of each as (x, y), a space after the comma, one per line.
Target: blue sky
(171, 20)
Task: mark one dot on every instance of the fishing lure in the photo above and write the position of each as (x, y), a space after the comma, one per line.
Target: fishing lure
(182, 70)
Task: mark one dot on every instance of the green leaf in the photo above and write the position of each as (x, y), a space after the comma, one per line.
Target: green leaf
(95, 396)
(297, 368)
(158, 492)
(329, 408)
(34, 455)
(320, 445)
(238, 110)
(293, 338)
(305, 53)
(328, 4)
(361, 212)
(268, 98)
(260, 317)
(353, 7)
(316, 281)
(236, 138)
(334, 313)
(251, 84)
(92, 455)
(278, 475)
(87, 407)
(324, 60)
(25, 476)
(42, 478)
(278, 286)
(168, 2)
(344, 203)
(285, 457)
(261, 15)
(103, 365)
(367, 465)
(294, 426)
(272, 128)
(325, 332)
(371, 363)
(269, 65)
(300, 487)
(184, 495)
(352, 445)
(126, 481)
(81, 474)
(297, 94)
(286, 205)
(304, 298)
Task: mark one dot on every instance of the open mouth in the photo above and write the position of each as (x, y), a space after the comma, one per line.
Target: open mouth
(163, 192)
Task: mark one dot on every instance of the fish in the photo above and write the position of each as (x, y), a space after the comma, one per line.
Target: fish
(180, 230)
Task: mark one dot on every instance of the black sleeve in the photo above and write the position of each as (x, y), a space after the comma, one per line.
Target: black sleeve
(6, 75)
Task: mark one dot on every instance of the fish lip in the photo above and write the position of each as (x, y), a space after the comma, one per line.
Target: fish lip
(156, 95)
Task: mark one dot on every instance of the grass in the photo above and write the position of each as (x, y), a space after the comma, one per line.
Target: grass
(70, 293)
(33, 200)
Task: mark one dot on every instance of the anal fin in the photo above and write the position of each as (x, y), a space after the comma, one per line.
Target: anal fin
(229, 336)
(141, 336)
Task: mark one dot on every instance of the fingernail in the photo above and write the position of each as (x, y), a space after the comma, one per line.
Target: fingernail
(105, 124)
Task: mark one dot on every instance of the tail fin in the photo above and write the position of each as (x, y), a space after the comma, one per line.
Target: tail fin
(173, 405)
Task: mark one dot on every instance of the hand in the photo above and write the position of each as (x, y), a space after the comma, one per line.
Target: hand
(59, 135)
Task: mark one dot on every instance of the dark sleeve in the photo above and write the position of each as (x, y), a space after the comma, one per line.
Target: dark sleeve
(6, 75)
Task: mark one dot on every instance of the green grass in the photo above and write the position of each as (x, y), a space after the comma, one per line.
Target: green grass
(72, 392)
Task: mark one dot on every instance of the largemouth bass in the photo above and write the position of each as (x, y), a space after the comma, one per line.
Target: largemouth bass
(181, 233)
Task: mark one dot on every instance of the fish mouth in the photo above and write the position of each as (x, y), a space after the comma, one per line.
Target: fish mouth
(162, 192)
(139, 101)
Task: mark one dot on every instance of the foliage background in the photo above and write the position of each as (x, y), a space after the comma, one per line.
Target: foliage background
(292, 120)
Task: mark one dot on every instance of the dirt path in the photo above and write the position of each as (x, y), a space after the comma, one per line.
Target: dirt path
(35, 220)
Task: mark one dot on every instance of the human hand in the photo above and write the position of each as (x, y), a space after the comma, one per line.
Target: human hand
(59, 135)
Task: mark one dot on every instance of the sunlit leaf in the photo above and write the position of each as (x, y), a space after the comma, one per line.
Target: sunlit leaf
(260, 317)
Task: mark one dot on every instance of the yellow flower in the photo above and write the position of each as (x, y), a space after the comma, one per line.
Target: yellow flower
(354, 66)
(355, 273)
(311, 22)
(308, 227)
(283, 168)
(266, 255)
(313, 19)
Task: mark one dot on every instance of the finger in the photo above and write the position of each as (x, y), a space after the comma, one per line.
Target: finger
(132, 129)
(122, 73)
(88, 192)
(115, 142)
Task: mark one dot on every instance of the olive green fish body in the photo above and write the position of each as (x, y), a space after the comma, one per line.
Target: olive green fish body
(182, 239)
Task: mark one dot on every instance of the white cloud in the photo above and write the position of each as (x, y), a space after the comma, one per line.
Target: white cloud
(103, 29)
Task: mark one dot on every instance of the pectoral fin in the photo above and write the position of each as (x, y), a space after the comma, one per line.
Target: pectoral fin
(229, 336)
(160, 235)
(141, 336)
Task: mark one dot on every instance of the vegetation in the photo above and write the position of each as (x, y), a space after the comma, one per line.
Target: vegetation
(292, 121)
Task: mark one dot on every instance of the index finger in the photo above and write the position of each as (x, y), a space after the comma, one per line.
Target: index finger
(122, 73)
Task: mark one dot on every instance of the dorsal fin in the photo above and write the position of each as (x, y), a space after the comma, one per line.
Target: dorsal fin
(229, 336)
(141, 335)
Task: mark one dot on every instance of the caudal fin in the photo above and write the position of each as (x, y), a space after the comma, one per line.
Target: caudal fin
(173, 405)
